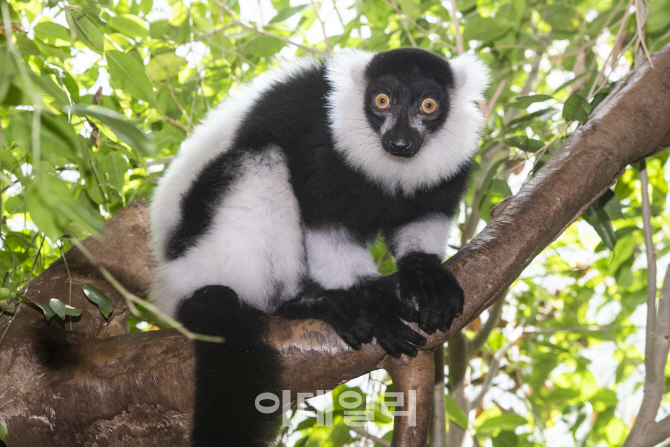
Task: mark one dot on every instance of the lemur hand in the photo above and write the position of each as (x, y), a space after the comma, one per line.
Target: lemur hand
(384, 311)
(342, 309)
(437, 291)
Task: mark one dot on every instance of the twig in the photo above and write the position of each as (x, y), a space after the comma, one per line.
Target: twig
(401, 17)
(323, 26)
(261, 31)
(495, 312)
(490, 105)
(618, 36)
(184, 127)
(457, 29)
(576, 329)
(641, 13)
(495, 365)
(421, 28)
(132, 300)
(651, 269)
(374, 438)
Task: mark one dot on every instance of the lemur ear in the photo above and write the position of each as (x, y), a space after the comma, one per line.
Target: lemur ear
(471, 77)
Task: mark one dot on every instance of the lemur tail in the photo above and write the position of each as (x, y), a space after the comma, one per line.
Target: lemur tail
(230, 376)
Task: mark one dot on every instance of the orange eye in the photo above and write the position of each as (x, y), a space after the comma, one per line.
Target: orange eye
(382, 101)
(428, 105)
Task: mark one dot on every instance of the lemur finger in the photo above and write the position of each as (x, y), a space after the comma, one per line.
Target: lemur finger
(413, 337)
(406, 310)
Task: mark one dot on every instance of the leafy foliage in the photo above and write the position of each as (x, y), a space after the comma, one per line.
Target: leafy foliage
(96, 97)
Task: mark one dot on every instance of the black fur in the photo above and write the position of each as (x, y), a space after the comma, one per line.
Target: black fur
(199, 204)
(293, 116)
(229, 376)
(439, 296)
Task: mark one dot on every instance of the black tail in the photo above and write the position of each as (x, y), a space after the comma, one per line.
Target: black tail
(230, 376)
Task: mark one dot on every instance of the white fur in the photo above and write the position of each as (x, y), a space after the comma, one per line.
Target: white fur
(335, 259)
(443, 153)
(210, 138)
(428, 235)
(254, 245)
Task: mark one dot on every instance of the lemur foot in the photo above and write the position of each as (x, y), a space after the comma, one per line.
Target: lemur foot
(344, 311)
(439, 296)
(385, 312)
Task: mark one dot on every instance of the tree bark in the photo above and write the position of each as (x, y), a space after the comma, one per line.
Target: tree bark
(92, 386)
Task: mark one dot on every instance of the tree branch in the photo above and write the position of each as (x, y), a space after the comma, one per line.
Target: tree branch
(60, 378)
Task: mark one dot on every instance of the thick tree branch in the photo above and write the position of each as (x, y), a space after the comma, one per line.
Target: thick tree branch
(73, 388)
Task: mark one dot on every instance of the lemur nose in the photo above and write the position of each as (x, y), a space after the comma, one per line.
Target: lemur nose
(400, 145)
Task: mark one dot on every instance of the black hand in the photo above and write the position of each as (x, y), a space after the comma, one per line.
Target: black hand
(342, 309)
(383, 309)
(437, 291)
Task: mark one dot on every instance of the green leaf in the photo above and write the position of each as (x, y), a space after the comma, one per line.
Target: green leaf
(576, 108)
(62, 309)
(49, 87)
(598, 218)
(100, 299)
(522, 102)
(3, 434)
(486, 29)
(53, 34)
(115, 166)
(129, 74)
(288, 12)
(124, 130)
(4, 293)
(455, 414)
(524, 143)
(130, 25)
(505, 422)
(164, 65)
(86, 31)
(264, 46)
(46, 310)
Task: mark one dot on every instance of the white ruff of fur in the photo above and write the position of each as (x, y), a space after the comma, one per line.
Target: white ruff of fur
(254, 245)
(210, 138)
(175, 280)
(428, 235)
(442, 154)
(336, 260)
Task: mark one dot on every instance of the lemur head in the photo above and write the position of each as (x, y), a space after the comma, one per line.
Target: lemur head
(407, 97)
(405, 118)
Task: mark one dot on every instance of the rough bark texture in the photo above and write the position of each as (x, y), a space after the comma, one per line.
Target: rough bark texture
(93, 386)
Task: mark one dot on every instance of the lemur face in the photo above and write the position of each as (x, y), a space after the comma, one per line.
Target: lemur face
(407, 98)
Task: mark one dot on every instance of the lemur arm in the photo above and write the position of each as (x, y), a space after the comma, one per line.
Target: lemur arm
(419, 248)
(347, 292)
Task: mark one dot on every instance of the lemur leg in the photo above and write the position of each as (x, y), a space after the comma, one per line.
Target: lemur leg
(419, 248)
(344, 293)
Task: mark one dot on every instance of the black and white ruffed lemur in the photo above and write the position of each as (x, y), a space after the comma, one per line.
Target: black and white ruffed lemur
(269, 205)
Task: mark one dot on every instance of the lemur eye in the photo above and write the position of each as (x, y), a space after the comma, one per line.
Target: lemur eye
(428, 105)
(382, 101)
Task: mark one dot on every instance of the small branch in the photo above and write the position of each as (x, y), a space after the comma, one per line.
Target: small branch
(266, 33)
(323, 26)
(490, 105)
(373, 438)
(651, 273)
(495, 312)
(401, 17)
(421, 28)
(575, 329)
(183, 127)
(457, 29)
(495, 365)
